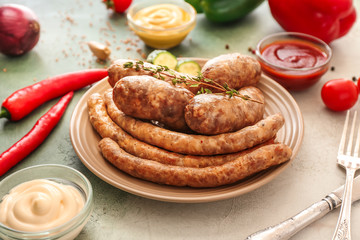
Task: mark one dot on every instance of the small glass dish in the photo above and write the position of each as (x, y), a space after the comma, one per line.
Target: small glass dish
(60, 174)
(162, 38)
(294, 69)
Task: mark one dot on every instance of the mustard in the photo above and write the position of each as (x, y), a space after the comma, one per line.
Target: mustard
(162, 25)
(162, 16)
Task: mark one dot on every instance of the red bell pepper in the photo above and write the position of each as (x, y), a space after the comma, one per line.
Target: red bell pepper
(325, 19)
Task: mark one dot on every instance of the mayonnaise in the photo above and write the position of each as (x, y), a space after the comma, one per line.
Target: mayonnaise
(162, 16)
(39, 205)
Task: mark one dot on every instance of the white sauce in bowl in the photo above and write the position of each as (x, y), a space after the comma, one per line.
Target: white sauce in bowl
(39, 205)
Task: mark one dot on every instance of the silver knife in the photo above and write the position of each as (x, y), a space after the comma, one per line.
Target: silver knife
(291, 226)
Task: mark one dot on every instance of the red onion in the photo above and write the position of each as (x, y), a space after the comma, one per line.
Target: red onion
(19, 29)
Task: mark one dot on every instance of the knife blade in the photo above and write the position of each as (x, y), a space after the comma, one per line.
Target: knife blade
(291, 226)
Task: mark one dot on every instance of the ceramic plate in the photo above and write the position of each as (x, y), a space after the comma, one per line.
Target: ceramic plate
(85, 142)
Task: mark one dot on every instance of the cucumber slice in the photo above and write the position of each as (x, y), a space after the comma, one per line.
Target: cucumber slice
(188, 66)
(162, 57)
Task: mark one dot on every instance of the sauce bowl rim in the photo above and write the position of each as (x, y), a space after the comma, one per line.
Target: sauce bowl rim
(192, 14)
(66, 227)
(301, 36)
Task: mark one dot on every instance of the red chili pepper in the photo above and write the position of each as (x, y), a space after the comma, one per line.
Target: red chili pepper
(325, 19)
(25, 100)
(35, 137)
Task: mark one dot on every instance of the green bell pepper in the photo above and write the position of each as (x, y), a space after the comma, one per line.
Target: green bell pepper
(222, 11)
(196, 4)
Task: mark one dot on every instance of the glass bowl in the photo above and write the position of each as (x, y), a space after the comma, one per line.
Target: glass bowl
(294, 69)
(60, 174)
(164, 38)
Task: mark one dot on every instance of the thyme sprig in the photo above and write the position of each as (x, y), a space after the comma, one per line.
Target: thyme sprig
(160, 72)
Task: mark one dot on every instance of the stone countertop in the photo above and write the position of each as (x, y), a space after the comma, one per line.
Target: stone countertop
(65, 28)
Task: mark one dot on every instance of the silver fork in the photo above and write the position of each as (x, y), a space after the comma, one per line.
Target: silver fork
(351, 162)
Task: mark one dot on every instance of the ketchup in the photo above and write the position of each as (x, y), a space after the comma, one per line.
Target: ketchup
(295, 64)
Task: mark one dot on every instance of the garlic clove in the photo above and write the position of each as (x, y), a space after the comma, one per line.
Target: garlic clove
(101, 51)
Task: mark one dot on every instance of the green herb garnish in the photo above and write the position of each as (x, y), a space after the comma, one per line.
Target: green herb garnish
(160, 72)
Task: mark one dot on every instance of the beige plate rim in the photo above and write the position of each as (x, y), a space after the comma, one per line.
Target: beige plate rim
(84, 140)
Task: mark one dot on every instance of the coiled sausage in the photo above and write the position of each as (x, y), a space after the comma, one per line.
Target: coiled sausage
(105, 127)
(230, 172)
(192, 144)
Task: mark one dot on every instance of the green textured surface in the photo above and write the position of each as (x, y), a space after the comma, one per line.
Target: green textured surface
(66, 26)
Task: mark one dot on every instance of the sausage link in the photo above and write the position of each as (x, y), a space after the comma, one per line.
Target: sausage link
(106, 128)
(230, 172)
(146, 97)
(117, 71)
(193, 144)
(235, 69)
(212, 114)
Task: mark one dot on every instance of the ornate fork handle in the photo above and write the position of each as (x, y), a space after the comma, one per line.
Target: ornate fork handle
(342, 230)
(291, 226)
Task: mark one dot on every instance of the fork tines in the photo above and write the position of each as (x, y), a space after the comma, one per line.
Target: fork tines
(352, 152)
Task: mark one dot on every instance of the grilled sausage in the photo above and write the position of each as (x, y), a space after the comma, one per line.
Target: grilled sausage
(105, 127)
(230, 172)
(118, 70)
(214, 114)
(235, 69)
(196, 144)
(146, 97)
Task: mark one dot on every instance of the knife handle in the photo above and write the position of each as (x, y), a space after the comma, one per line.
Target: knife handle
(291, 226)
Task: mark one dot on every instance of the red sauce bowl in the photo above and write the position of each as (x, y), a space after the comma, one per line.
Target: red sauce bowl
(295, 60)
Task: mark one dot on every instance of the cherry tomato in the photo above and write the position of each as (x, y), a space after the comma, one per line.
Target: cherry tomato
(118, 6)
(339, 94)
